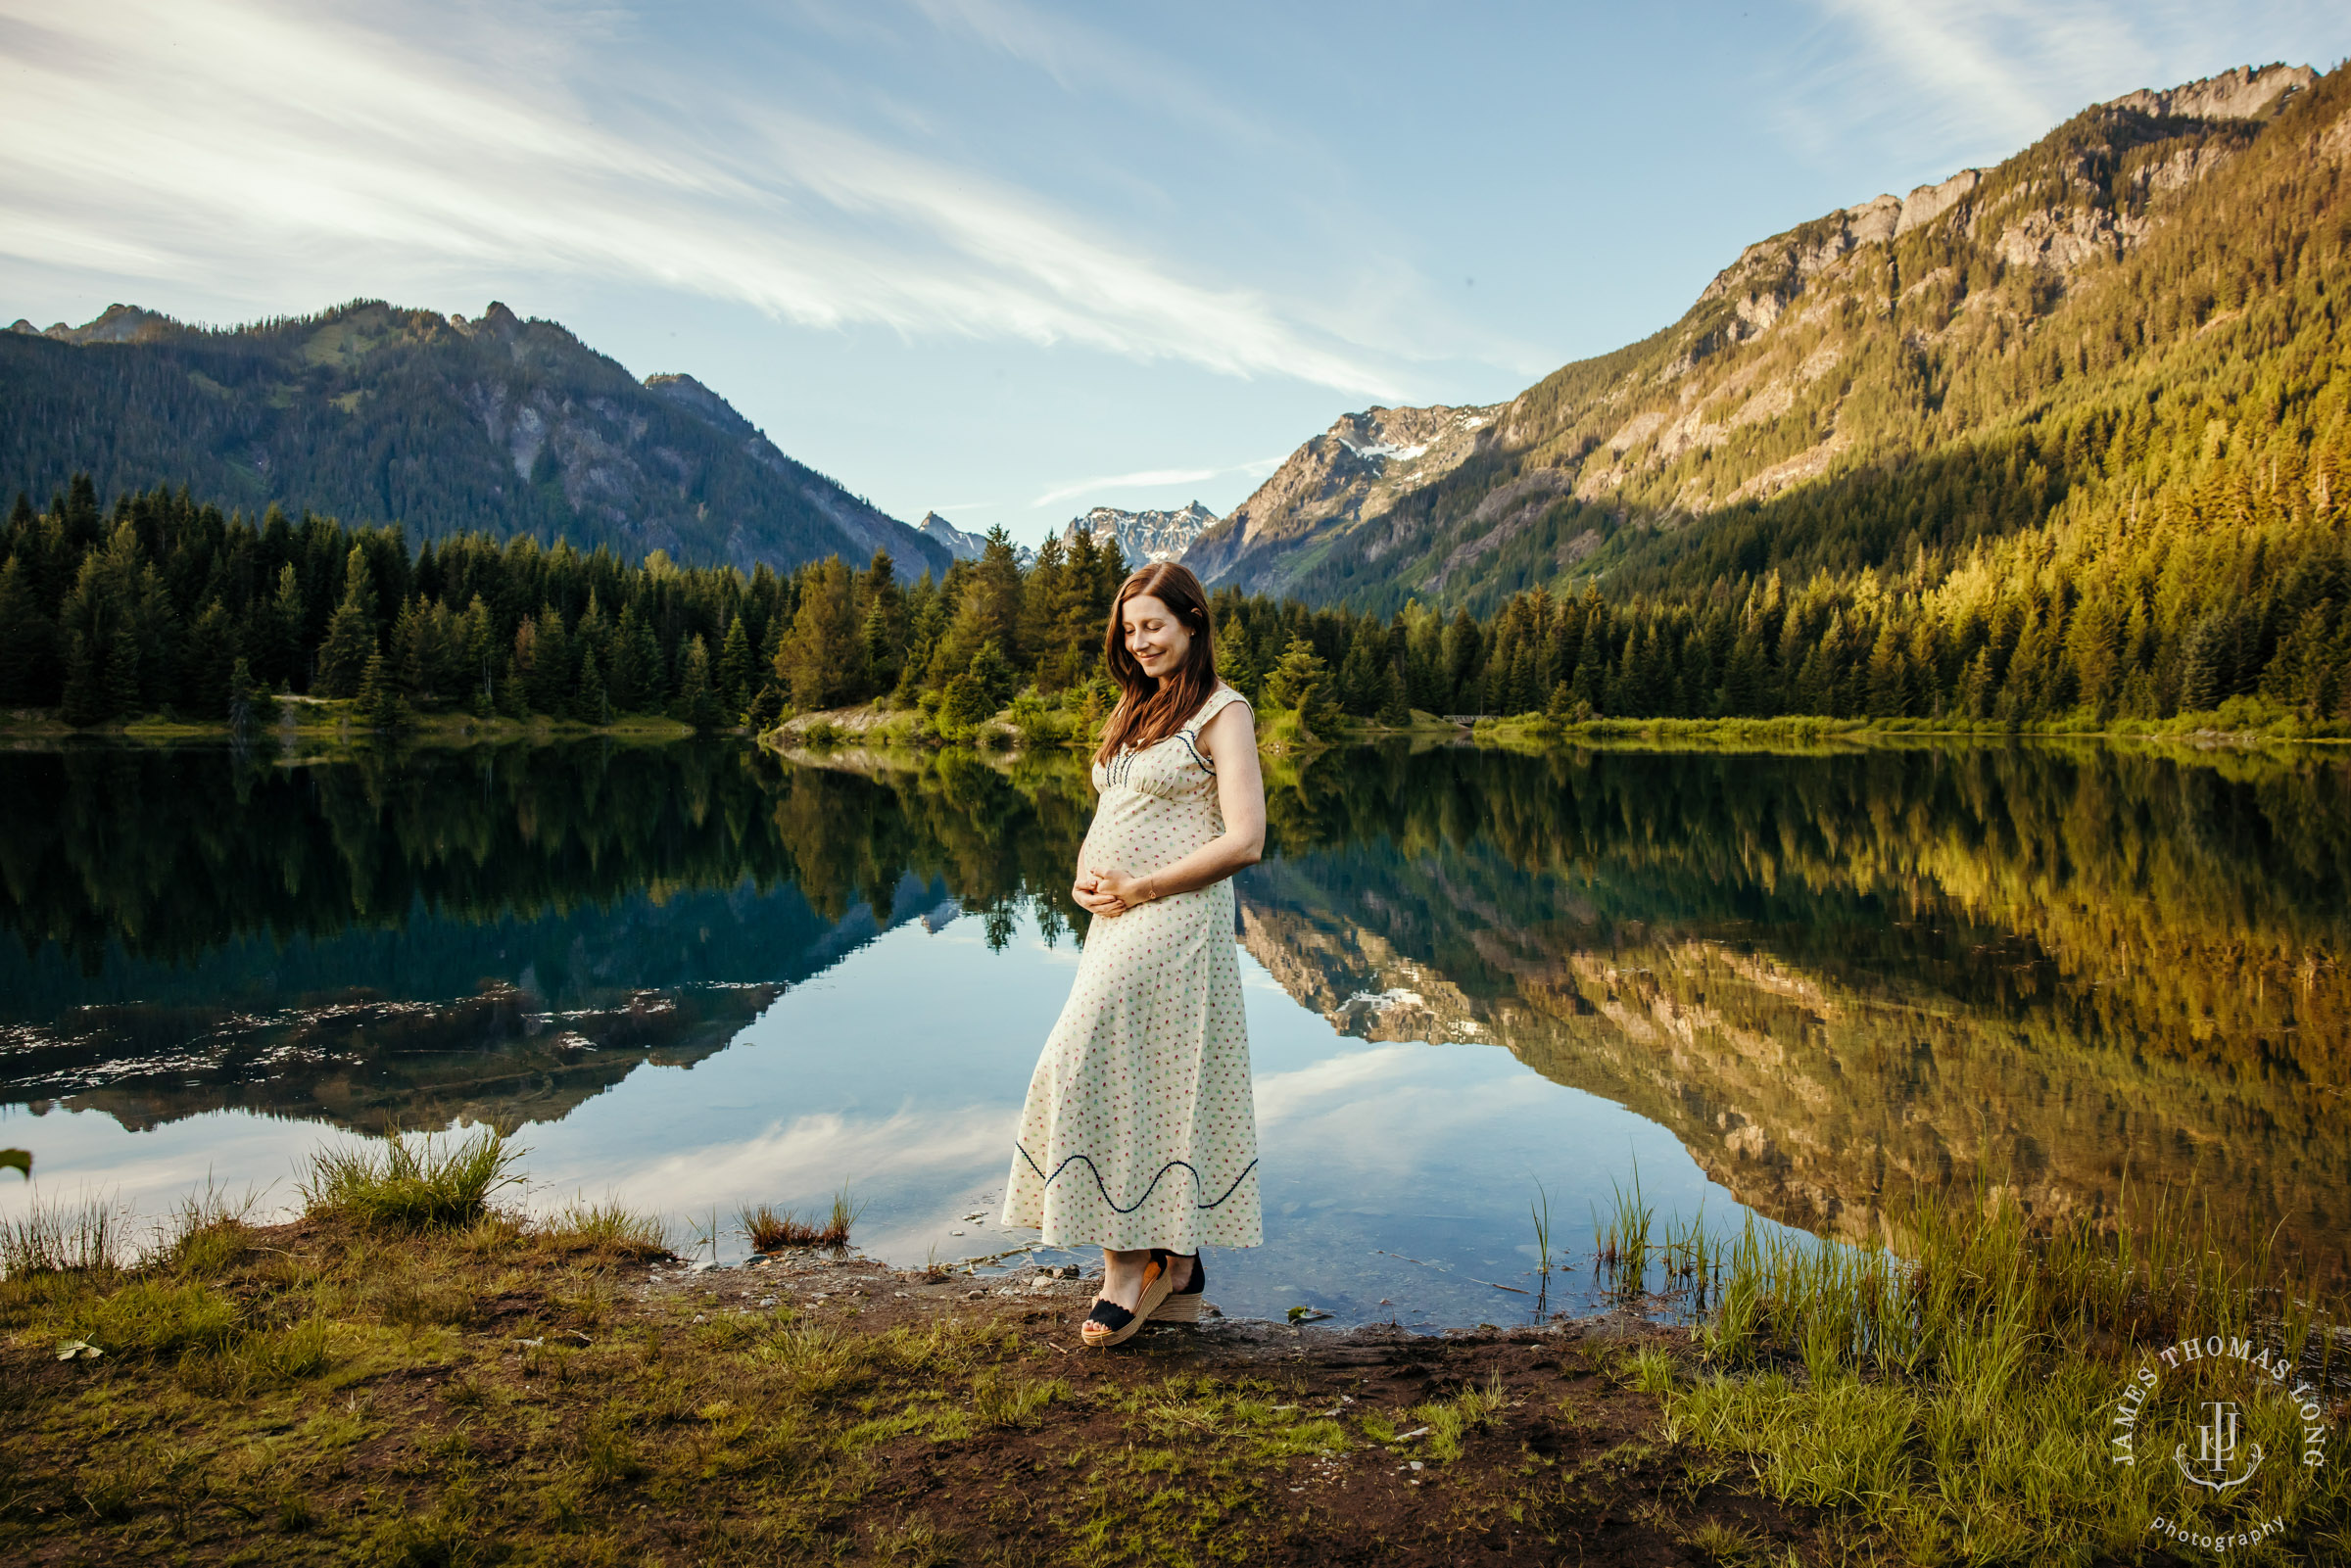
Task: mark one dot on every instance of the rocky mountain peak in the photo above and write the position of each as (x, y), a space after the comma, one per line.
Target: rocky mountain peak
(117, 323)
(1348, 477)
(962, 545)
(1145, 536)
(700, 400)
(2247, 92)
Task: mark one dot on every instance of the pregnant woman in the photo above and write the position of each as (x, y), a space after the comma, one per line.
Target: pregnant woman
(1139, 1135)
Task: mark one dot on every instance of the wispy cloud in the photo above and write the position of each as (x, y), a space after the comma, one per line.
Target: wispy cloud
(165, 138)
(1153, 478)
(1969, 80)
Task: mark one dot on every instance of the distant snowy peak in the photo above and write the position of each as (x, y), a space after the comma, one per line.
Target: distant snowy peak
(960, 545)
(1144, 536)
(967, 547)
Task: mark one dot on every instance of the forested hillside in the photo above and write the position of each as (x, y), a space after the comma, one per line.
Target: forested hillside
(2066, 434)
(162, 605)
(436, 423)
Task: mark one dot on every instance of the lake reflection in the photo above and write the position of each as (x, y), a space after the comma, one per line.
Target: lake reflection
(697, 977)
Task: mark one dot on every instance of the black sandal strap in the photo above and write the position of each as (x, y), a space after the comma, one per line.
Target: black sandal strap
(1199, 1269)
(1111, 1315)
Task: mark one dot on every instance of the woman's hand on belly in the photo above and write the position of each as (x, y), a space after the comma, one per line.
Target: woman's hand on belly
(1088, 890)
(1117, 892)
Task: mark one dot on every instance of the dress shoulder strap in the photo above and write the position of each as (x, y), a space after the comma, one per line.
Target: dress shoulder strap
(1223, 698)
(1219, 700)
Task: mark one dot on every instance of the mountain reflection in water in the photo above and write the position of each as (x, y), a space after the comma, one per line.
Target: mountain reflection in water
(1828, 977)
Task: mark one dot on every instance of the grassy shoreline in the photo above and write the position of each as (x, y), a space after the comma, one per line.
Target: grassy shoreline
(887, 733)
(410, 1374)
(336, 720)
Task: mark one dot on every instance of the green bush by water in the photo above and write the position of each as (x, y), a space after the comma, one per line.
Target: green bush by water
(413, 1181)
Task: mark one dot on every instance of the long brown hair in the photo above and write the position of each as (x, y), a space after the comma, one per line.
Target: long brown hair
(1151, 710)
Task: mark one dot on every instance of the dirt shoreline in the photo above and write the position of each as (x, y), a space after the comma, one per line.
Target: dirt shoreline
(830, 1408)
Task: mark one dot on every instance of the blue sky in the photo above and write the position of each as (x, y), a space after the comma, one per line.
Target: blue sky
(1010, 260)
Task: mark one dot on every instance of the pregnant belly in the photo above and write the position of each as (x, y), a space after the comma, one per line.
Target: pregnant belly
(1139, 843)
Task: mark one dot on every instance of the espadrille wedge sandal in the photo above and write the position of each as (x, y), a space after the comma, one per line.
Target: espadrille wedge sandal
(1183, 1304)
(1110, 1324)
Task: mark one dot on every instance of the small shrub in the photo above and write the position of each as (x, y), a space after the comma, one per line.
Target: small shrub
(609, 1229)
(823, 734)
(413, 1181)
(771, 1229)
(841, 1220)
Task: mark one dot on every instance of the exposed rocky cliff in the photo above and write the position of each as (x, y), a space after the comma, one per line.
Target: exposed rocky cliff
(1840, 343)
(1343, 482)
(443, 424)
(1149, 536)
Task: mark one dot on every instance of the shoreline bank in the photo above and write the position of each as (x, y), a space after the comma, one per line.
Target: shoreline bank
(503, 1393)
(406, 1373)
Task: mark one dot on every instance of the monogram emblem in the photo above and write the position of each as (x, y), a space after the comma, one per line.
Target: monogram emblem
(2217, 1450)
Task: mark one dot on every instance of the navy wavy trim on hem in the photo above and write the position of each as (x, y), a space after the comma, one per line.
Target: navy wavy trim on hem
(1147, 1191)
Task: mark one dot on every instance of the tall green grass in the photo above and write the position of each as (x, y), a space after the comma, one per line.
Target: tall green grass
(1953, 1400)
(55, 1238)
(414, 1181)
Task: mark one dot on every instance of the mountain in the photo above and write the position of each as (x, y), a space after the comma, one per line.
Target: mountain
(1851, 393)
(1349, 476)
(371, 412)
(954, 540)
(1145, 536)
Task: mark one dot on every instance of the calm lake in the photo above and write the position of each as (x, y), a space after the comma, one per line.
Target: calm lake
(693, 977)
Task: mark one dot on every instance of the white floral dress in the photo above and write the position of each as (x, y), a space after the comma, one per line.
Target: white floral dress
(1140, 1130)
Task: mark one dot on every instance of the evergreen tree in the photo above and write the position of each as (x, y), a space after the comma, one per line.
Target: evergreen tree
(351, 634)
(993, 676)
(121, 683)
(27, 637)
(638, 683)
(512, 696)
(84, 699)
(819, 662)
(243, 698)
(378, 697)
(589, 702)
(1236, 663)
(1300, 682)
(550, 672)
(735, 670)
(276, 642)
(696, 703)
(1394, 712)
(766, 710)
(212, 653)
(964, 705)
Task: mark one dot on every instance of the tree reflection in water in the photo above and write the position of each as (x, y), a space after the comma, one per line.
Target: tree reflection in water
(1829, 976)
